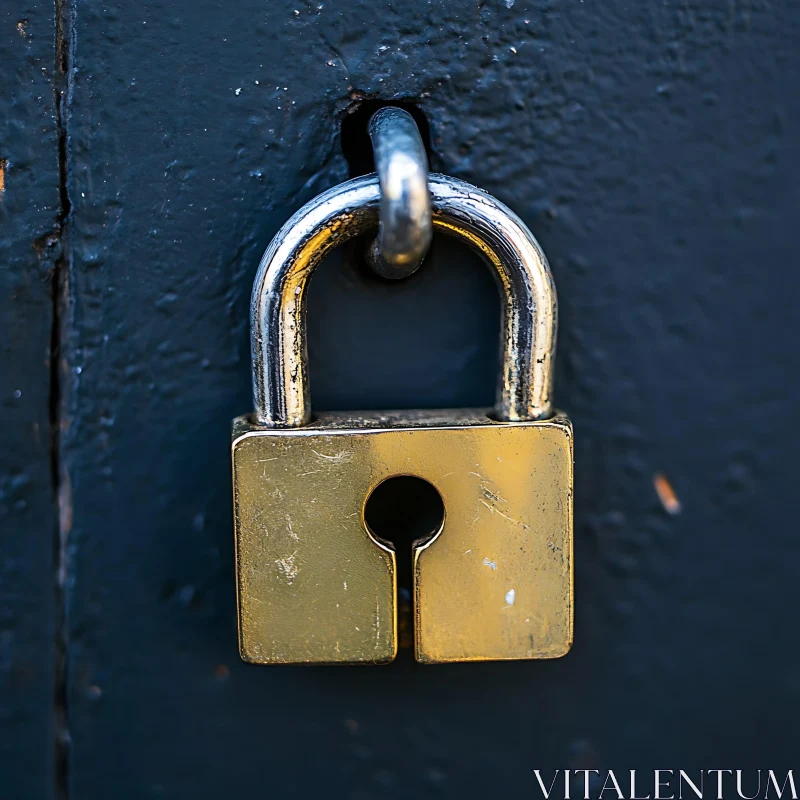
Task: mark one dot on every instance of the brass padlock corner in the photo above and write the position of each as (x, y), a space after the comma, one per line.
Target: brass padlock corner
(314, 585)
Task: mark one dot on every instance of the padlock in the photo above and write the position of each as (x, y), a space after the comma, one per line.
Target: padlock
(314, 584)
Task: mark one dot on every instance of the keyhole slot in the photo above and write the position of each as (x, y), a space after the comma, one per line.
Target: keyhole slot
(402, 511)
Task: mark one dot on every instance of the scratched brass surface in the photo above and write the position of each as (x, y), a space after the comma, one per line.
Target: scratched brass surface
(314, 586)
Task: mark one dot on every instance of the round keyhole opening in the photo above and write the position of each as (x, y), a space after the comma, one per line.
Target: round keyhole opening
(401, 511)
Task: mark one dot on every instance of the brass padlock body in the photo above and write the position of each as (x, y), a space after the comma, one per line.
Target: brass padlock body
(314, 584)
(494, 583)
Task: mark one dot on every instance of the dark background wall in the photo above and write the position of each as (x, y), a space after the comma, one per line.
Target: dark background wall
(150, 151)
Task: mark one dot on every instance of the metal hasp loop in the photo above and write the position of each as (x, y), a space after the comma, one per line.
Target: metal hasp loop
(405, 230)
(277, 310)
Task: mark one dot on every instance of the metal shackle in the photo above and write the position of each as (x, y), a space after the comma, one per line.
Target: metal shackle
(278, 303)
(405, 229)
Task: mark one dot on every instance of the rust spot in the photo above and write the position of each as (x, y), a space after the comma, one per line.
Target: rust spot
(351, 726)
(666, 494)
(22, 27)
(3, 165)
(221, 671)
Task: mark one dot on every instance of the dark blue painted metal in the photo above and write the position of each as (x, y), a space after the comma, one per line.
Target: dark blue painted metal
(29, 250)
(652, 149)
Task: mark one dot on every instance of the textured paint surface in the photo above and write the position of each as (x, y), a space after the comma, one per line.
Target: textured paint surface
(652, 148)
(29, 249)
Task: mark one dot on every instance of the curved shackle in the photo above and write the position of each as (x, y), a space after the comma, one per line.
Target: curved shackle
(278, 304)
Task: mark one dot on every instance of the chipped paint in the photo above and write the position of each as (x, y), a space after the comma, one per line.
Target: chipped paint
(488, 563)
(666, 494)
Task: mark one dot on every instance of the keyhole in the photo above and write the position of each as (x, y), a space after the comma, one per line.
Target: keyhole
(401, 511)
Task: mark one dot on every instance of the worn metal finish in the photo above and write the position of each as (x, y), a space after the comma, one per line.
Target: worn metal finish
(278, 304)
(315, 585)
(312, 585)
(405, 229)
